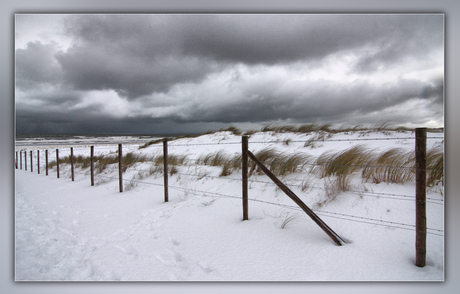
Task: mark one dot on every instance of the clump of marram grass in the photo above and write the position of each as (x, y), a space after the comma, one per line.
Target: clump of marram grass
(342, 163)
(333, 186)
(230, 165)
(213, 159)
(220, 158)
(308, 128)
(265, 156)
(287, 164)
(173, 159)
(279, 129)
(320, 136)
(304, 128)
(337, 169)
(234, 130)
(279, 164)
(392, 166)
(435, 167)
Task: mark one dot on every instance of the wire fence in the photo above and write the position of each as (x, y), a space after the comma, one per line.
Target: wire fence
(336, 215)
(292, 182)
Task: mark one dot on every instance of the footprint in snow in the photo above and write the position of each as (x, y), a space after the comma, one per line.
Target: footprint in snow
(129, 250)
(205, 267)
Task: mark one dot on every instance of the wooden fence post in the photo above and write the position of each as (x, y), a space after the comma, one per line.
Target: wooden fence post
(57, 162)
(420, 195)
(25, 160)
(31, 162)
(71, 163)
(46, 161)
(38, 161)
(16, 161)
(245, 176)
(165, 168)
(20, 159)
(120, 167)
(92, 164)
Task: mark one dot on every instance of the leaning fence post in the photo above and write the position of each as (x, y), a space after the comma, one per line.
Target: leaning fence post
(71, 162)
(38, 161)
(420, 195)
(92, 164)
(245, 176)
(57, 162)
(46, 161)
(31, 162)
(165, 167)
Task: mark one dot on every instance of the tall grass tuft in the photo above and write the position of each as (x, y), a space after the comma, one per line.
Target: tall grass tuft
(435, 167)
(173, 160)
(228, 163)
(234, 130)
(308, 128)
(342, 163)
(338, 168)
(283, 165)
(279, 164)
(266, 156)
(333, 186)
(392, 166)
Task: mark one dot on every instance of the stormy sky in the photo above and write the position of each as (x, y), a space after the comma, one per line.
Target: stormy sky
(189, 73)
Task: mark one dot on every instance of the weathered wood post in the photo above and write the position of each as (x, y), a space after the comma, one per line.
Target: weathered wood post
(245, 176)
(71, 163)
(20, 159)
(120, 167)
(38, 161)
(165, 168)
(420, 195)
(92, 164)
(57, 162)
(31, 162)
(16, 160)
(25, 160)
(46, 161)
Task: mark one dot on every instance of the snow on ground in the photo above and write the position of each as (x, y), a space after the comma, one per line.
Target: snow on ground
(70, 230)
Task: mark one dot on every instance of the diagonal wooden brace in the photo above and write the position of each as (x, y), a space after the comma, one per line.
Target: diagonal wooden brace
(334, 236)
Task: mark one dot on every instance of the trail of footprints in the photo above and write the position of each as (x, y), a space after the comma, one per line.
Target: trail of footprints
(167, 251)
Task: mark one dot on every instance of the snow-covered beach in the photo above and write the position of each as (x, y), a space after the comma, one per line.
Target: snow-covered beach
(71, 231)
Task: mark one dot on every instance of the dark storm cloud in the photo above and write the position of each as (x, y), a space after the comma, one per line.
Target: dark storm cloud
(134, 55)
(285, 38)
(405, 37)
(326, 100)
(140, 54)
(36, 65)
(185, 69)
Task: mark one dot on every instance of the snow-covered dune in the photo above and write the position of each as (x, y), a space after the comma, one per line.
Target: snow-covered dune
(70, 230)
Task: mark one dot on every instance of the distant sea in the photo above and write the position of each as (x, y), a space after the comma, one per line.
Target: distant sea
(60, 139)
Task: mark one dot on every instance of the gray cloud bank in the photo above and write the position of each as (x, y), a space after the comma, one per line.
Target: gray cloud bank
(171, 73)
